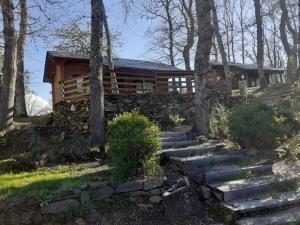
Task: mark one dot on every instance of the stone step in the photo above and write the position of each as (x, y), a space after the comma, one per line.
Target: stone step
(285, 217)
(278, 201)
(237, 173)
(173, 134)
(245, 188)
(179, 144)
(183, 137)
(190, 151)
(206, 160)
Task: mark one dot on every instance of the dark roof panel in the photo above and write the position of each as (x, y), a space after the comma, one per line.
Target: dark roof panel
(119, 62)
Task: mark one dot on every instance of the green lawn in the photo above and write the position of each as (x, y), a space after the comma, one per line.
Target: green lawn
(45, 183)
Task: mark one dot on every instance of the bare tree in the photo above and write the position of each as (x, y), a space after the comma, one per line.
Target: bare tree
(260, 44)
(20, 107)
(221, 48)
(97, 117)
(8, 83)
(114, 82)
(205, 36)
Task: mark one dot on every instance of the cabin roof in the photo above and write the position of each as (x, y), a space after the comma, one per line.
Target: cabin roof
(118, 63)
(249, 67)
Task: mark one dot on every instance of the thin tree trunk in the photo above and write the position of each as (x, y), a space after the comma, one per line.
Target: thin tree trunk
(205, 36)
(8, 84)
(97, 117)
(215, 49)
(111, 66)
(221, 47)
(260, 44)
(20, 106)
(190, 26)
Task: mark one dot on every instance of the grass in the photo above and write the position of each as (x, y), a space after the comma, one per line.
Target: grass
(31, 119)
(45, 183)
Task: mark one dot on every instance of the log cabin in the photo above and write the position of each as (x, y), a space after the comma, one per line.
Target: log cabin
(69, 75)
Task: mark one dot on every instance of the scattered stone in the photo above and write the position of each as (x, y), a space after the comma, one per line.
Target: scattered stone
(104, 193)
(129, 187)
(153, 182)
(84, 197)
(205, 192)
(140, 194)
(155, 199)
(80, 221)
(61, 206)
(16, 201)
(155, 192)
(94, 217)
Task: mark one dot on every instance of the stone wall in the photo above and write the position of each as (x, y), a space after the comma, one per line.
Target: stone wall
(158, 107)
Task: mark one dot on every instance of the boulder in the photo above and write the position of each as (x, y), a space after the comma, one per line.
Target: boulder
(60, 206)
(155, 199)
(84, 197)
(153, 182)
(16, 201)
(129, 187)
(181, 203)
(104, 193)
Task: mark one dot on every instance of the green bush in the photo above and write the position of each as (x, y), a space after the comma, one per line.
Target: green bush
(255, 125)
(132, 141)
(293, 146)
(219, 121)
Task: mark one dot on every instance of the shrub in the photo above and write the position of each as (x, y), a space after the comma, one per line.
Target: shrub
(132, 140)
(255, 125)
(219, 121)
(176, 119)
(293, 146)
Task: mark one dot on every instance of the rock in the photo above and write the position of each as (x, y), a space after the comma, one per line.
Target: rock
(104, 193)
(94, 217)
(16, 201)
(145, 206)
(98, 184)
(80, 221)
(205, 192)
(155, 192)
(76, 191)
(61, 206)
(181, 203)
(140, 194)
(84, 197)
(137, 200)
(153, 182)
(183, 182)
(129, 187)
(155, 199)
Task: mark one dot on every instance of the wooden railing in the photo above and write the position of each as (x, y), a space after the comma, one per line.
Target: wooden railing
(79, 88)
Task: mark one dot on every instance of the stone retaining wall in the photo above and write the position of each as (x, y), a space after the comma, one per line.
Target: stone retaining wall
(158, 107)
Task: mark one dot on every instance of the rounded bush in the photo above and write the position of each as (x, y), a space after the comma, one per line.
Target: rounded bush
(255, 125)
(132, 140)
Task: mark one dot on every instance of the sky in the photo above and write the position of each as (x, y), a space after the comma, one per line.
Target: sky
(134, 44)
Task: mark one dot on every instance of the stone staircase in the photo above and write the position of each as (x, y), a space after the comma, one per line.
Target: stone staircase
(238, 188)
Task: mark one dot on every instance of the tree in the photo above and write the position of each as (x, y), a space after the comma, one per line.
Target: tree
(111, 67)
(8, 82)
(97, 117)
(260, 44)
(221, 48)
(204, 45)
(20, 107)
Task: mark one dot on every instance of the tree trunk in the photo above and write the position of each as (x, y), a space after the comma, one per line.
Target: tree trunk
(20, 107)
(8, 84)
(205, 36)
(260, 44)
(111, 67)
(190, 27)
(291, 58)
(221, 47)
(97, 117)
